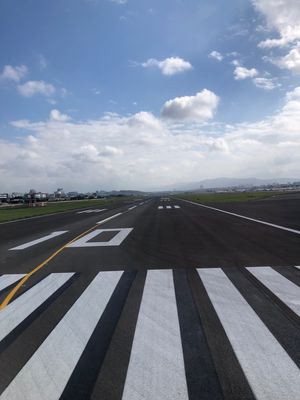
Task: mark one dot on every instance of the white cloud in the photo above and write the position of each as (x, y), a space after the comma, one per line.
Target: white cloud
(244, 73)
(284, 17)
(266, 83)
(216, 55)
(169, 66)
(142, 151)
(32, 88)
(200, 107)
(14, 74)
(291, 61)
(56, 115)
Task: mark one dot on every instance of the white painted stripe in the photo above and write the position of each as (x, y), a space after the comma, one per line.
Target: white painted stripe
(9, 279)
(131, 208)
(244, 217)
(84, 241)
(156, 367)
(12, 315)
(40, 240)
(297, 266)
(176, 206)
(109, 218)
(168, 207)
(46, 374)
(141, 203)
(271, 373)
(160, 207)
(92, 211)
(284, 289)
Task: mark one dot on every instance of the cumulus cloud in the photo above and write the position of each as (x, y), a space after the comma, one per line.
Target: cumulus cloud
(291, 61)
(284, 17)
(216, 55)
(144, 152)
(14, 74)
(169, 66)
(241, 73)
(32, 88)
(56, 115)
(266, 83)
(200, 107)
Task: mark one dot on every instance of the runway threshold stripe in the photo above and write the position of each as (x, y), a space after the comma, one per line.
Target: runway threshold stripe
(202, 379)
(285, 290)
(40, 240)
(46, 374)
(156, 367)
(244, 217)
(82, 381)
(277, 320)
(9, 279)
(270, 371)
(168, 207)
(17, 311)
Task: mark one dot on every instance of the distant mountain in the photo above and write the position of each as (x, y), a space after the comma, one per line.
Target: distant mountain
(229, 182)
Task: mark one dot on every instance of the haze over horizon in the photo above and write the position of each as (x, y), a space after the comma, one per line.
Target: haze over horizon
(143, 94)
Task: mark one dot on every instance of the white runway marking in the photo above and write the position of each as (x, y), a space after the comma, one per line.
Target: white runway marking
(285, 290)
(156, 367)
(46, 374)
(115, 241)
(160, 207)
(244, 217)
(297, 266)
(92, 211)
(34, 242)
(131, 208)
(176, 206)
(12, 315)
(271, 373)
(109, 218)
(9, 279)
(168, 207)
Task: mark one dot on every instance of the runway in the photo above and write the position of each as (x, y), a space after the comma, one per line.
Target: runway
(154, 299)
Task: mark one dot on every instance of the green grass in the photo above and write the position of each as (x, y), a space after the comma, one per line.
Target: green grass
(226, 197)
(23, 211)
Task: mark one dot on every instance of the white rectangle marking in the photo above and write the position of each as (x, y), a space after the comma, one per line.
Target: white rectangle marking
(156, 367)
(131, 208)
(40, 240)
(160, 207)
(285, 290)
(176, 206)
(9, 279)
(12, 315)
(168, 207)
(115, 241)
(271, 373)
(46, 374)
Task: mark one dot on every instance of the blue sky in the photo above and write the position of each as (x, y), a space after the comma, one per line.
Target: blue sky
(147, 93)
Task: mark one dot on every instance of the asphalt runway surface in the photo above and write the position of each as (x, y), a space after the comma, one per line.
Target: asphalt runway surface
(154, 299)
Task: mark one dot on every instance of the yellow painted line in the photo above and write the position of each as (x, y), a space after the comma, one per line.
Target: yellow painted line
(12, 293)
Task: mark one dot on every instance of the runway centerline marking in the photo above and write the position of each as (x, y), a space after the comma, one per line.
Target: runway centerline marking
(284, 228)
(37, 241)
(13, 292)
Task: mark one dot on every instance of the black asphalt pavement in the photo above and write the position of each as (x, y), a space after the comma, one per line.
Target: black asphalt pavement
(155, 299)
